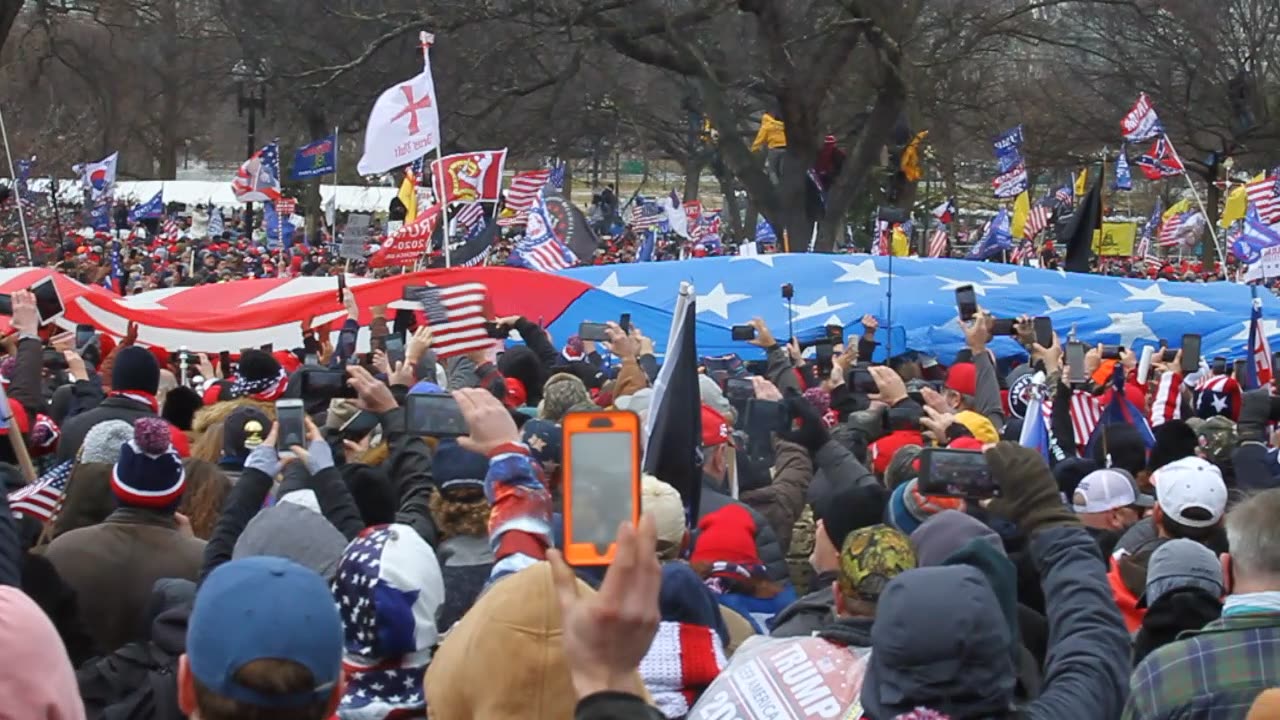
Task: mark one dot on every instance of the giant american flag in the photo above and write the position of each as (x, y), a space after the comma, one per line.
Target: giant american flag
(456, 315)
(1263, 196)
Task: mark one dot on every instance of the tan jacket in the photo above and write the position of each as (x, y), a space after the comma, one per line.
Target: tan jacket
(113, 566)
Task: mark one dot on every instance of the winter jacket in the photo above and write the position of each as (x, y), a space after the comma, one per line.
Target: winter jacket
(836, 467)
(986, 399)
(27, 384)
(410, 468)
(782, 501)
(847, 631)
(810, 613)
(771, 553)
(772, 134)
(466, 563)
(1256, 466)
(1173, 613)
(113, 567)
(113, 408)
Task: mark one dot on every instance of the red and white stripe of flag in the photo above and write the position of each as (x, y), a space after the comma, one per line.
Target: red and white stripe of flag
(525, 187)
(1085, 412)
(286, 206)
(1167, 404)
(1037, 221)
(938, 243)
(465, 311)
(1262, 194)
(469, 215)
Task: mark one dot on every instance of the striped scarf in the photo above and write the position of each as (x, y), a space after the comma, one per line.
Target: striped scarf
(682, 661)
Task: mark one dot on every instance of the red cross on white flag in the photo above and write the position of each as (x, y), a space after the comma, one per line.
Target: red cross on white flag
(404, 124)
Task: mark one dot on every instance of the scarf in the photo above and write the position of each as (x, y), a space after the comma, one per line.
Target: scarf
(140, 397)
(387, 690)
(1259, 603)
(682, 661)
(265, 389)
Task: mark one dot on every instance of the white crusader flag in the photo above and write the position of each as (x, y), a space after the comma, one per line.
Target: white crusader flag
(404, 124)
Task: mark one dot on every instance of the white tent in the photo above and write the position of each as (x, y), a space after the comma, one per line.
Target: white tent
(351, 198)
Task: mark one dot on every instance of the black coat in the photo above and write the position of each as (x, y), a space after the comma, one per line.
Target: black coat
(113, 408)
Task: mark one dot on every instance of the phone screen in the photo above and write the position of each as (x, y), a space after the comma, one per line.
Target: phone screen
(393, 346)
(744, 332)
(326, 384)
(434, 414)
(1190, 353)
(624, 322)
(956, 473)
(6, 304)
(85, 334)
(1238, 370)
(1002, 326)
(48, 304)
(1044, 331)
(595, 332)
(602, 470)
(292, 431)
(967, 302)
(342, 285)
(739, 389)
(1075, 362)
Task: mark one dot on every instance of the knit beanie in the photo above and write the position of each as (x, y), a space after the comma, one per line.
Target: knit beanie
(135, 369)
(102, 443)
(149, 473)
(727, 535)
(908, 509)
(456, 469)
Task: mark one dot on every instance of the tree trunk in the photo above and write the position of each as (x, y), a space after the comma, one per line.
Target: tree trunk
(730, 203)
(169, 103)
(693, 176)
(863, 158)
(1209, 251)
(9, 10)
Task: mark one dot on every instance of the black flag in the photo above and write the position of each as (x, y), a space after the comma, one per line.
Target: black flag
(1078, 231)
(675, 415)
(571, 227)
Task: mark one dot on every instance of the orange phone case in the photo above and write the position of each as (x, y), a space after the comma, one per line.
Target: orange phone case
(586, 552)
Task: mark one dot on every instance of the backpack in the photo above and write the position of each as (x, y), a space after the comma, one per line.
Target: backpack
(139, 682)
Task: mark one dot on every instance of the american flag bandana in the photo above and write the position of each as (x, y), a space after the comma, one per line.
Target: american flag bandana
(43, 498)
(267, 389)
(388, 587)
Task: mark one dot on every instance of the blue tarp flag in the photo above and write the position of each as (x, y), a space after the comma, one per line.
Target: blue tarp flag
(1257, 236)
(153, 208)
(999, 238)
(1008, 149)
(842, 288)
(1124, 179)
(274, 224)
(316, 159)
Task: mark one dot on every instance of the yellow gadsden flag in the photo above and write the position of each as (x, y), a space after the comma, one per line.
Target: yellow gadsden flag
(1021, 209)
(1237, 205)
(910, 164)
(1115, 239)
(1082, 183)
(409, 196)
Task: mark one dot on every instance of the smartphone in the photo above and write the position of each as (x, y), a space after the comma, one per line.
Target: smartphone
(1219, 366)
(956, 473)
(347, 343)
(342, 286)
(595, 332)
(863, 382)
(1169, 354)
(6, 304)
(744, 332)
(966, 302)
(48, 302)
(825, 350)
(495, 331)
(268, 348)
(1003, 326)
(1238, 371)
(434, 414)
(1190, 353)
(739, 389)
(86, 335)
(1112, 352)
(765, 416)
(601, 483)
(325, 385)
(1075, 362)
(624, 322)
(292, 427)
(393, 346)
(224, 363)
(1044, 331)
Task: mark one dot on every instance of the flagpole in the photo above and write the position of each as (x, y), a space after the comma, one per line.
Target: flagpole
(1196, 194)
(17, 196)
(334, 228)
(426, 39)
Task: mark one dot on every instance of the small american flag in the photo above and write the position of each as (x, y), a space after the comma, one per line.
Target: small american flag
(1066, 196)
(456, 315)
(1263, 196)
(646, 215)
(1086, 413)
(556, 178)
(42, 498)
(286, 206)
(170, 228)
(526, 186)
(1025, 251)
(938, 243)
(1172, 228)
(467, 217)
(258, 179)
(549, 255)
(1037, 219)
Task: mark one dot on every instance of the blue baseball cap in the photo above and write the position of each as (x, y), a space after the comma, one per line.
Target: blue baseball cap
(263, 608)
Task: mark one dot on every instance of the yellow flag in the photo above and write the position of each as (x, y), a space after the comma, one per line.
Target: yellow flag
(1021, 209)
(1082, 183)
(901, 245)
(910, 164)
(409, 197)
(1236, 207)
(1115, 239)
(1179, 207)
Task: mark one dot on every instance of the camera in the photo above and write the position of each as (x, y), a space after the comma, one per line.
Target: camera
(788, 292)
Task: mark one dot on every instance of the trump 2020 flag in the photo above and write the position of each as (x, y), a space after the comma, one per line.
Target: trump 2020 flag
(279, 227)
(315, 159)
(404, 124)
(1141, 123)
(1258, 372)
(998, 238)
(1008, 149)
(99, 177)
(1035, 431)
(258, 179)
(153, 208)
(1124, 178)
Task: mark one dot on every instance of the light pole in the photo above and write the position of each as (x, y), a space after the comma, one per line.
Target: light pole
(186, 154)
(252, 97)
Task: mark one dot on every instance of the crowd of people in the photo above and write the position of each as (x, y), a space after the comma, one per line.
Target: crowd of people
(169, 551)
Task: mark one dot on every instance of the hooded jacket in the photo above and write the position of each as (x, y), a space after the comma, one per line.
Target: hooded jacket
(770, 552)
(810, 613)
(504, 660)
(1172, 613)
(38, 682)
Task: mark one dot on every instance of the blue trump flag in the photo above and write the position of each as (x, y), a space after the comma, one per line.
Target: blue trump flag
(100, 217)
(1257, 236)
(1008, 149)
(999, 238)
(648, 243)
(1124, 178)
(316, 159)
(153, 208)
(279, 230)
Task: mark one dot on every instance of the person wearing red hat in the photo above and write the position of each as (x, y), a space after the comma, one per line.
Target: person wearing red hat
(974, 385)
(725, 557)
(717, 456)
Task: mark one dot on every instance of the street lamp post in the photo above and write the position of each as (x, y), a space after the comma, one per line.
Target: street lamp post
(252, 98)
(186, 154)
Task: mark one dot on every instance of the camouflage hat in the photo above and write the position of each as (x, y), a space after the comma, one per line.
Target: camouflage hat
(1218, 438)
(870, 558)
(561, 393)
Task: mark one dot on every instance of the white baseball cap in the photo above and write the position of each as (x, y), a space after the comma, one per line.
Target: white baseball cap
(1191, 492)
(1109, 489)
